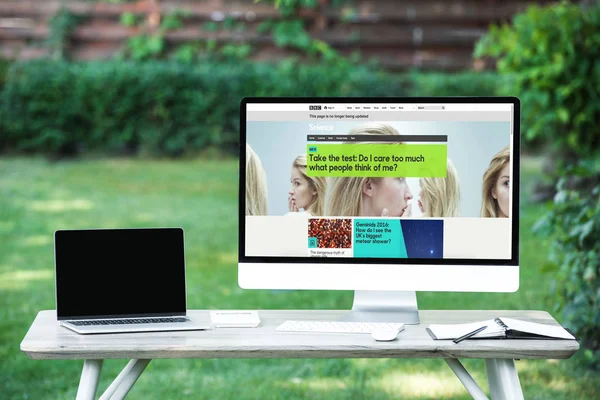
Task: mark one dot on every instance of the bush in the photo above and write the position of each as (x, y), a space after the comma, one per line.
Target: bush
(459, 84)
(162, 108)
(4, 66)
(166, 108)
(574, 225)
(551, 54)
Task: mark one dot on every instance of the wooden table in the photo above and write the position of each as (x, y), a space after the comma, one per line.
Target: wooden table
(47, 340)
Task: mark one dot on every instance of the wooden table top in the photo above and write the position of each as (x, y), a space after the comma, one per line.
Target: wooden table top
(47, 340)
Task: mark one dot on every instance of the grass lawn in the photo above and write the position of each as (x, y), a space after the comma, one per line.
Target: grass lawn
(38, 197)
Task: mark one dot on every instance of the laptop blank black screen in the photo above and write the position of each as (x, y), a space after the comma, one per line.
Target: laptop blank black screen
(119, 272)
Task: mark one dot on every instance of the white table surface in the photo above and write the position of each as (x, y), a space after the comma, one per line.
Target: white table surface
(47, 340)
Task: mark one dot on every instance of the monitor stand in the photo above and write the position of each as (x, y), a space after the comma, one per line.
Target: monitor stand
(384, 306)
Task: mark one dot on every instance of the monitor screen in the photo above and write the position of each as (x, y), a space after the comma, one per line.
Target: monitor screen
(120, 272)
(379, 181)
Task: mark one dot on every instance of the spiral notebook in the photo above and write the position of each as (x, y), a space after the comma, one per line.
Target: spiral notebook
(500, 328)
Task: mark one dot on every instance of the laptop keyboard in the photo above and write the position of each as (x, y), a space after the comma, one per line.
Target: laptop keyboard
(167, 320)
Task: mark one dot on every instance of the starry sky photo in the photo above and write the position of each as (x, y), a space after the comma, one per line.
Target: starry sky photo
(423, 238)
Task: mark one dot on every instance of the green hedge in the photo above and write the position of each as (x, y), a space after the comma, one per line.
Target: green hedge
(168, 108)
(459, 84)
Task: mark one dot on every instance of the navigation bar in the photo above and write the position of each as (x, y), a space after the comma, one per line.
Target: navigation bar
(378, 138)
(324, 108)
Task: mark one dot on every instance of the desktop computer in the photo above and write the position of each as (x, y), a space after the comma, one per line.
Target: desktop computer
(383, 196)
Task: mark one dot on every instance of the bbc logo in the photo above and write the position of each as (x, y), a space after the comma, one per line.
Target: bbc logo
(314, 108)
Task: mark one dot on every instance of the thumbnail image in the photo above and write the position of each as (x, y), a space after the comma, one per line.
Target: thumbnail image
(423, 238)
(330, 233)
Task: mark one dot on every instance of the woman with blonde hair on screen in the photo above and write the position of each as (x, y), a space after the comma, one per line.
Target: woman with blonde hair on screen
(440, 197)
(360, 196)
(256, 184)
(307, 192)
(496, 186)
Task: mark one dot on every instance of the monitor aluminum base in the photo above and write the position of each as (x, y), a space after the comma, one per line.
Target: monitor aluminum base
(384, 306)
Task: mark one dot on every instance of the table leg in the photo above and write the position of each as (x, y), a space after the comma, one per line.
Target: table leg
(123, 383)
(503, 379)
(88, 384)
(467, 380)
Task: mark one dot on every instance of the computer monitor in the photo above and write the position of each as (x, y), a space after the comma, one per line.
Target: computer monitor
(383, 196)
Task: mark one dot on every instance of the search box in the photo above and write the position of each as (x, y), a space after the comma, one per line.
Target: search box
(431, 108)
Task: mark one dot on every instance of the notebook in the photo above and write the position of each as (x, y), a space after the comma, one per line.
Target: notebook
(500, 328)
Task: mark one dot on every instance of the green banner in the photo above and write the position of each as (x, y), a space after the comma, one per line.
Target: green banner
(374, 160)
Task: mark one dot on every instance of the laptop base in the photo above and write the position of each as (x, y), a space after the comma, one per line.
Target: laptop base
(130, 328)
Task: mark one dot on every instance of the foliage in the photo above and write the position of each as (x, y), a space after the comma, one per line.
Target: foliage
(151, 42)
(167, 108)
(288, 8)
(552, 55)
(458, 84)
(144, 46)
(161, 108)
(4, 66)
(61, 26)
(210, 51)
(289, 30)
(574, 225)
(129, 19)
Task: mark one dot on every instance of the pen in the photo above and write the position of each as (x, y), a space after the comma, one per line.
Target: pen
(468, 335)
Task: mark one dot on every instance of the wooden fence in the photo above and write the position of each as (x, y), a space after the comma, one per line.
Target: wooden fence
(430, 34)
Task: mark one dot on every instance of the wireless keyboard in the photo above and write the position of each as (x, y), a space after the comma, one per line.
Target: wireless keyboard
(337, 326)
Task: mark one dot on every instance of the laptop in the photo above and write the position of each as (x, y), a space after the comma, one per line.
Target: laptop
(121, 280)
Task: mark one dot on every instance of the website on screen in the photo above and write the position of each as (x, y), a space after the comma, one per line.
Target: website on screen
(419, 181)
